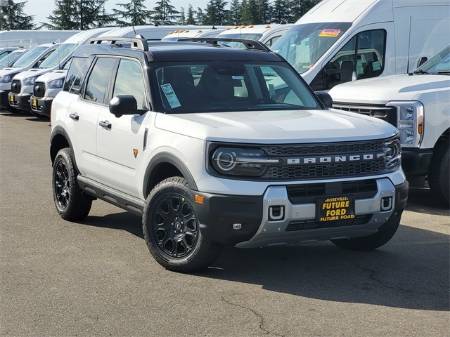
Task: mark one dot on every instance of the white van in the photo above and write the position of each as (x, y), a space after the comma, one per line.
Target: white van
(250, 32)
(339, 41)
(32, 38)
(193, 33)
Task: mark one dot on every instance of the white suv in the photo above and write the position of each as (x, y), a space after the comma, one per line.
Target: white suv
(218, 146)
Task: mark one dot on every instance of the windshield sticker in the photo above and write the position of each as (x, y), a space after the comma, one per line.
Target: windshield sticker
(329, 33)
(376, 66)
(171, 96)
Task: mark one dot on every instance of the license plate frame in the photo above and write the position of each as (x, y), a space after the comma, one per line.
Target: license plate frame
(12, 99)
(34, 103)
(335, 208)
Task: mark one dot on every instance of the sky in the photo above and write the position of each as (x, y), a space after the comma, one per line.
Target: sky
(41, 9)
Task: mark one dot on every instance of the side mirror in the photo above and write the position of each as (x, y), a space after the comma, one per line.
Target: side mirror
(325, 98)
(123, 105)
(421, 61)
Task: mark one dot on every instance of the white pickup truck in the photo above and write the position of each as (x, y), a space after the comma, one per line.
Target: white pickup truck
(419, 105)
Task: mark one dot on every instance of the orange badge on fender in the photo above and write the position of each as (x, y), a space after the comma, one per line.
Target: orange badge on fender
(135, 152)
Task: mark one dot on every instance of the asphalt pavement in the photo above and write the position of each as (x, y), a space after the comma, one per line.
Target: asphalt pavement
(97, 278)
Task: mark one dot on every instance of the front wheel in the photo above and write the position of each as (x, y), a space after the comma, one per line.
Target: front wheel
(70, 201)
(172, 230)
(439, 177)
(374, 241)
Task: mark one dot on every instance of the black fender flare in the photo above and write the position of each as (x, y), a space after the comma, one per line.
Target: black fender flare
(166, 157)
(59, 131)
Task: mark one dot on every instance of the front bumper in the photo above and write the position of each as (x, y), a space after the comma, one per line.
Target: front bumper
(244, 221)
(41, 105)
(19, 101)
(416, 162)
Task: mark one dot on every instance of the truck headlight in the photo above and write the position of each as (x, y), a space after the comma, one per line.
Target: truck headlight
(392, 153)
(56, 84)
(410, 122)
(29, 80)
(5, 78)
(242, 162)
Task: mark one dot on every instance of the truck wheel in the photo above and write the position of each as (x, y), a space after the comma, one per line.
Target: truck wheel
(439, 177)
(374, 241)
(70, 201)
(172, 231)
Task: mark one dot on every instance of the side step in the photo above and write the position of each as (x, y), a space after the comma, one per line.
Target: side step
(108, 194)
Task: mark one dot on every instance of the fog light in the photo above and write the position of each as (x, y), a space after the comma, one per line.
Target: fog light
(386, 203)
(276, 213)
(237, 226)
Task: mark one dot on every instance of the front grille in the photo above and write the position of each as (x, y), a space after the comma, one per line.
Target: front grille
(309, 193)
(386, 113)
(322, 170)
(299, 225)
(16, 86)
(39, 89)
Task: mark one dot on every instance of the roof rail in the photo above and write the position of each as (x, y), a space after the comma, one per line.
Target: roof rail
(249, 44)
(137, 42)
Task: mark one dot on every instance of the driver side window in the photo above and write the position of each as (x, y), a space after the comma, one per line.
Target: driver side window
(130, 81)
(362, 57)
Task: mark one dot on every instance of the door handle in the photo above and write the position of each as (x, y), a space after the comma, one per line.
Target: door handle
(105, 124)
(74, 116)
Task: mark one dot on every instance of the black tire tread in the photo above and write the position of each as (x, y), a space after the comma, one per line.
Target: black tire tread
(439, 172)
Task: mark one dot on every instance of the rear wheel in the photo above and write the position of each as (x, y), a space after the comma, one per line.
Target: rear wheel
(69, 200)
(172, 230)
(374, 241)
(439, 177)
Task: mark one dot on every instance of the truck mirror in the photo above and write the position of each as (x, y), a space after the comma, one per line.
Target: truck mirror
(123, 105)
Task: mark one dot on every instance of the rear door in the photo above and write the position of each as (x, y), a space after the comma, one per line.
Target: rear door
(85, 111)
(120, 139)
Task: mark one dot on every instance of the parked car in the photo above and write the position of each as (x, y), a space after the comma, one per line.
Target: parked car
(30, 59)
(219, 146)
(419, 105)
(341, 41)
(183, 33)
(33, 38)
(42, 89)
(8, 60)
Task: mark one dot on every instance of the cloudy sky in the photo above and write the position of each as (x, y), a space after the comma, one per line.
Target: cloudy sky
(41, 9)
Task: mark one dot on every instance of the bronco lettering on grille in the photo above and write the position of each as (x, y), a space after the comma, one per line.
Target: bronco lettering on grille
(333, 159)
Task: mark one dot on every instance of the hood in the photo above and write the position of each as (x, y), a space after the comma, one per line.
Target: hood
(10, 71)
(271, 127)
(381, 90)
(31, 73)
(52, 75)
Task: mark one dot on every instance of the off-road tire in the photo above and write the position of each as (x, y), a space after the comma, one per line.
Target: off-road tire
(373, 241)
(204, 251)
(439, 177)
(78, 204)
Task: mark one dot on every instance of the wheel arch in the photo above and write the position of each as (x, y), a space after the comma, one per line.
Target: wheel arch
(59, 140)
(162, 166)
(442, 138)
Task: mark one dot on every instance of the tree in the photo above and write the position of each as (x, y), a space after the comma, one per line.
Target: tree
(199, 16)
(299, 8)
(216, 14)
(13, 17)
(164, 13)
(249, 12)
(133, 13)
(182, 17)
(63, 16)
(234, 14)
(281, 12)
(190, 16)
(264, 11)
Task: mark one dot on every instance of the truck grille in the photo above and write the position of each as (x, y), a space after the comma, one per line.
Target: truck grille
(39, 89)
(324, 170)
(16, 86)
(386, 113)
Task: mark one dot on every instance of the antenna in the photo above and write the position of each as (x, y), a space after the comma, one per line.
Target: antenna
(134, 30)
(409, 45)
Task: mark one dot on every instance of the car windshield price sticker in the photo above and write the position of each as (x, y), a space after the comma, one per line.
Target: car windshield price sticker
(171, 96)
(335, 209)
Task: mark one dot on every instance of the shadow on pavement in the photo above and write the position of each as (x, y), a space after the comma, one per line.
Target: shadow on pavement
(421, 200)
(411, 272)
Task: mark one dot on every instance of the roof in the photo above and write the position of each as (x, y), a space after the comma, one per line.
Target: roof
(180, 51)
(85, 35)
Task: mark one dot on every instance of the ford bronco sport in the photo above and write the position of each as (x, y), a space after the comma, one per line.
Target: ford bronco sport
(219, 146)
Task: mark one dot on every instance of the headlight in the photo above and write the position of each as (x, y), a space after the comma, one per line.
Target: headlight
(5, 79)
(410, 122)
(242, 162)
(56, 84)
(392, 153)
(29, 80)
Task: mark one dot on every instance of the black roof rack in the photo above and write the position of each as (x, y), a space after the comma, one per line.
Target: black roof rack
(249, 44)
(137, 42)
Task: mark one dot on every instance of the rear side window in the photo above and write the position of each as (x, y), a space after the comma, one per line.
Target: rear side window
(75, 75)
(130, 81)
(97, 84)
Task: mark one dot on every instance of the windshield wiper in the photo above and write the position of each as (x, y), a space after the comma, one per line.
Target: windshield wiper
(421, 72)
(447, 72)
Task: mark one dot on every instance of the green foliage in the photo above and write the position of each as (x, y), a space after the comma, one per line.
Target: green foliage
(216, 14)
(13, 17)
(132, 13)
(190, 20)
(164, 13)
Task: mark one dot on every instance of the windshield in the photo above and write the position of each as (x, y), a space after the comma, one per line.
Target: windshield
(4, 53)
(58, 55)
(246, 36)
(303, 45)
(29, 57)
(231, 86)
(439, 64)
(10, 59)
